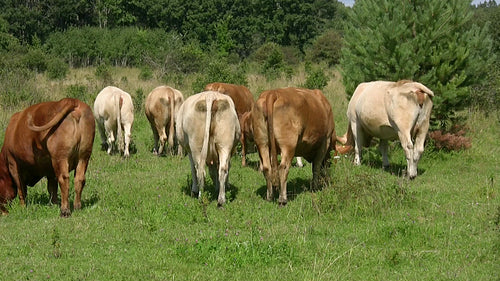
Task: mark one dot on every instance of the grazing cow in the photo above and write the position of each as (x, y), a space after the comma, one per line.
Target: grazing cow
(161, 107)
(208, 129)
(114, 113)
(388, 111)
(49, 140)
(243, 103)
(292, 121)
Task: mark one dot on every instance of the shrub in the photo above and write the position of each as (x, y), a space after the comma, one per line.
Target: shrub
(77, 91)
(326, 48)
(221, 71)
(57, 68)
(450, 141)
(316, 78)
(36, 60)
(145, 73)
(103, 72)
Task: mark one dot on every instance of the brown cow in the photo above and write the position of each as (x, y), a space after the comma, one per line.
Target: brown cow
(48, 139)
(161, 107)
(297, 122)
(243, 102)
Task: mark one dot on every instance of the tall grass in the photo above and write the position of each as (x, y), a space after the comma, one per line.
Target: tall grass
(139, 222)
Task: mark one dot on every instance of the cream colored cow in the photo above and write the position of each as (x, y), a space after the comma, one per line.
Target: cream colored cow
(114, 114)
(207, 127)
(388, 111)
(161, 106)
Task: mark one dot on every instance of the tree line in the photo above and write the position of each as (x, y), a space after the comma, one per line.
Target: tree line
(450, 46)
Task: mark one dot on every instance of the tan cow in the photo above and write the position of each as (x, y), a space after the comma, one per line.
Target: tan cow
(208, 129)
(292, 121)
(114, 114)
(161, 106)
(389, 111)
(243, 103)
(49, 139)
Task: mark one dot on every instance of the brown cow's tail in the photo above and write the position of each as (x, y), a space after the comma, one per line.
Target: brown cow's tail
(68, 107)
(346, 141)
(272, 141)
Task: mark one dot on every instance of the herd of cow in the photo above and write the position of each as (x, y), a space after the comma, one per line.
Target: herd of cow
(51, 139)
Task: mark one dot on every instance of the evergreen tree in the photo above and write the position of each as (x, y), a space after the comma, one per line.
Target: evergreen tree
(429, 41)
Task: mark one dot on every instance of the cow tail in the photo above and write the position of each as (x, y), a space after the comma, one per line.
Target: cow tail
(204, 149)
(69, 107)
(347, 141)
(172, 118)
(270, 130)
(119, 133)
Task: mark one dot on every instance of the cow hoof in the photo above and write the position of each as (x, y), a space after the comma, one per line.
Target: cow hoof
(282, 204)
(220, 206)
(65, 213)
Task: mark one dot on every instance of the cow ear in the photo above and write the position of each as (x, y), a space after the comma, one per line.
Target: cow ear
(424, 89)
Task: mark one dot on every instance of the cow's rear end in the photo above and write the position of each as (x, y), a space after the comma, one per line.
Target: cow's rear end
(58, 139)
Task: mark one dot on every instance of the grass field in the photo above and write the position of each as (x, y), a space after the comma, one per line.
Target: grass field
(138, 221)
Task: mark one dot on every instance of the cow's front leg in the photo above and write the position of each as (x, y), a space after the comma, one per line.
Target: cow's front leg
(383, 150)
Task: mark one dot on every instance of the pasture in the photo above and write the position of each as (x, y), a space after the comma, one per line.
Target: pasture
(138, 221)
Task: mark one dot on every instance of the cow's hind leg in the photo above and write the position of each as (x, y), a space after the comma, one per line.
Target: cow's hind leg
(198, 177)
(110, 127)
(283, 169)
(61, 169)
(52, 189)
(407, 145)
(127, 130)
(79, 182)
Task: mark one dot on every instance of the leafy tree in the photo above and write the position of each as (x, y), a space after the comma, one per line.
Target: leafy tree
(429, 41)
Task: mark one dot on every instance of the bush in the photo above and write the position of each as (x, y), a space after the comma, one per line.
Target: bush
(80, 92)
(145, 73)
(326, 48)
(57, 68)
(103, 72)
(36, 60)
(450, 141)
(316, 78)
(221, 71)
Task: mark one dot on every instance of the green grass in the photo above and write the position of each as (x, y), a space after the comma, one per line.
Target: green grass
(138, 221)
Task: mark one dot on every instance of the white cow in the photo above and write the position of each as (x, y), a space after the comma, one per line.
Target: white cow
(208, 129)
(388, 111)
(161, 107)
(114, 113)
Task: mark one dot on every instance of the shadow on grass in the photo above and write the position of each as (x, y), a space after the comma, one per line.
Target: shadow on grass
(42, 198)
(213, 195)
(396, 169)
(294, 188)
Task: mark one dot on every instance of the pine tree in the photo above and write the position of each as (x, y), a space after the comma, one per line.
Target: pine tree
(429, 41)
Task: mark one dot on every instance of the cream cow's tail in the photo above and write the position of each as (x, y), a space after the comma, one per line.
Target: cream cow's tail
(118, 101)
(204, 149)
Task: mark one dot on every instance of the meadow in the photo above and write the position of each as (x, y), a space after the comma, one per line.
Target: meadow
(139, 222)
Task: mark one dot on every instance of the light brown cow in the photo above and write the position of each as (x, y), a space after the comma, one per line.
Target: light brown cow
(49, 140)
(388, 111)
(208, 129)
(292, 121)
(161, 107)
(243, 103)
(114, 114)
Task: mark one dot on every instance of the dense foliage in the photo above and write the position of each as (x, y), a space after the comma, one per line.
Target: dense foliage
(429, 41)
(233, 26)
